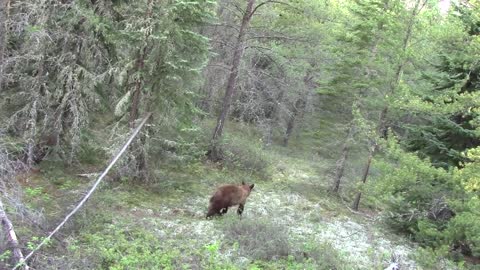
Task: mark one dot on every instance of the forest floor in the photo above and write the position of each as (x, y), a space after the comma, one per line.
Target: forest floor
(290, 222)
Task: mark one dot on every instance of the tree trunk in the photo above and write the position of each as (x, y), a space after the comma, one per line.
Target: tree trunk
(356, 202)
(211, 74)
(214, 153)
(289, 130)
(345, 149)
(4, 7)
(11, 237)
(299, 106)
(138, 147)
(140, 63)
(206, 103)
(340, 168)
(275, 115)
(134, 110)
(382, 129)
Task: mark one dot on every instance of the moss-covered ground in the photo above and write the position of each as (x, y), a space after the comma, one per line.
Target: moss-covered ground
(290, 222)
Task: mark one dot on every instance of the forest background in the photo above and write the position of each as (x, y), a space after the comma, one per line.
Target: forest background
(367, 109)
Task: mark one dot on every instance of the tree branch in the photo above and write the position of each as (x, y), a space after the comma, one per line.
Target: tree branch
(267, 2)
(278, 37)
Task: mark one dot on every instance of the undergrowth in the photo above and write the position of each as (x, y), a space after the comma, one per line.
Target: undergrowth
(259, 239)
(161, 225)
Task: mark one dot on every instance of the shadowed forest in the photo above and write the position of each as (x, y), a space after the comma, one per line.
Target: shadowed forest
(354, 126)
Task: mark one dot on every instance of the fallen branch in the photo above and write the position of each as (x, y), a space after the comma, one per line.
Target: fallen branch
(90, 192)
(88, 175)
(12, 238)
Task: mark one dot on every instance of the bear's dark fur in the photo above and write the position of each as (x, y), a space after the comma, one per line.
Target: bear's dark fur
(227, 196)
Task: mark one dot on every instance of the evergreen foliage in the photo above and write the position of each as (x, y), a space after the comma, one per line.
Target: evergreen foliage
(455, 83)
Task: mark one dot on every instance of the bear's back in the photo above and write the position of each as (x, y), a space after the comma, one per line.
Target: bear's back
(230, 194)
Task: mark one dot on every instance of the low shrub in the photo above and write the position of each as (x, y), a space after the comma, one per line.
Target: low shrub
(429, 258)
(324, 256)
(258, 239)
(438, 208)
(311, 256)
(119, 247)
(246, 156)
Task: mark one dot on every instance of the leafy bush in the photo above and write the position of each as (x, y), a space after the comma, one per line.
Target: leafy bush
(410, 187)
(439, 208)
(464, 231)
(258, 239)
(429, 258)
(464, 228)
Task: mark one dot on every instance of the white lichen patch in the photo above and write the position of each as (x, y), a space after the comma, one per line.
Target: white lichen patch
(362, 247)
(307, 220)
(358, 242)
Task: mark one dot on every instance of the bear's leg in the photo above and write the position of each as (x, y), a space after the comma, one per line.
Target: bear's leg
(240, 209)
(223, 211)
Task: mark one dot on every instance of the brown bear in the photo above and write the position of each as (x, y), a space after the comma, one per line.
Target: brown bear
(227, 196)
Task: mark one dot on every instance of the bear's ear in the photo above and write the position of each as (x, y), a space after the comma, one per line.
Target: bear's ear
(251, 186)
(243, 182)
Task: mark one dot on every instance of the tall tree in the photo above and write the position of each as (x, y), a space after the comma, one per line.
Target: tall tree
(159, 52)
(68, 60)
(4, 7)
(455, 79)
(360, 71)
(238, 49)
(50, 78)
(391, 89)
(435, 115)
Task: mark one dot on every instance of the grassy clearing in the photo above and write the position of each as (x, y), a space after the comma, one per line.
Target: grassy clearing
(290, 220)
(284, 225)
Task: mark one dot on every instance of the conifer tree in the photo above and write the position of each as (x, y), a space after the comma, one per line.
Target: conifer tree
(456, 81)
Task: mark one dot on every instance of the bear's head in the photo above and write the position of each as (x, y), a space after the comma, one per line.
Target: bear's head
(247, 187)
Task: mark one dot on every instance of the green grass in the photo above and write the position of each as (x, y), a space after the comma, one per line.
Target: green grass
(291, 221)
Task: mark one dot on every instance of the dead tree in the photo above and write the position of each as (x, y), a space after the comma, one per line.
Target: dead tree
(366, 170)
(214, 152)
(297, 109)
(340, 164)
(12, 238)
